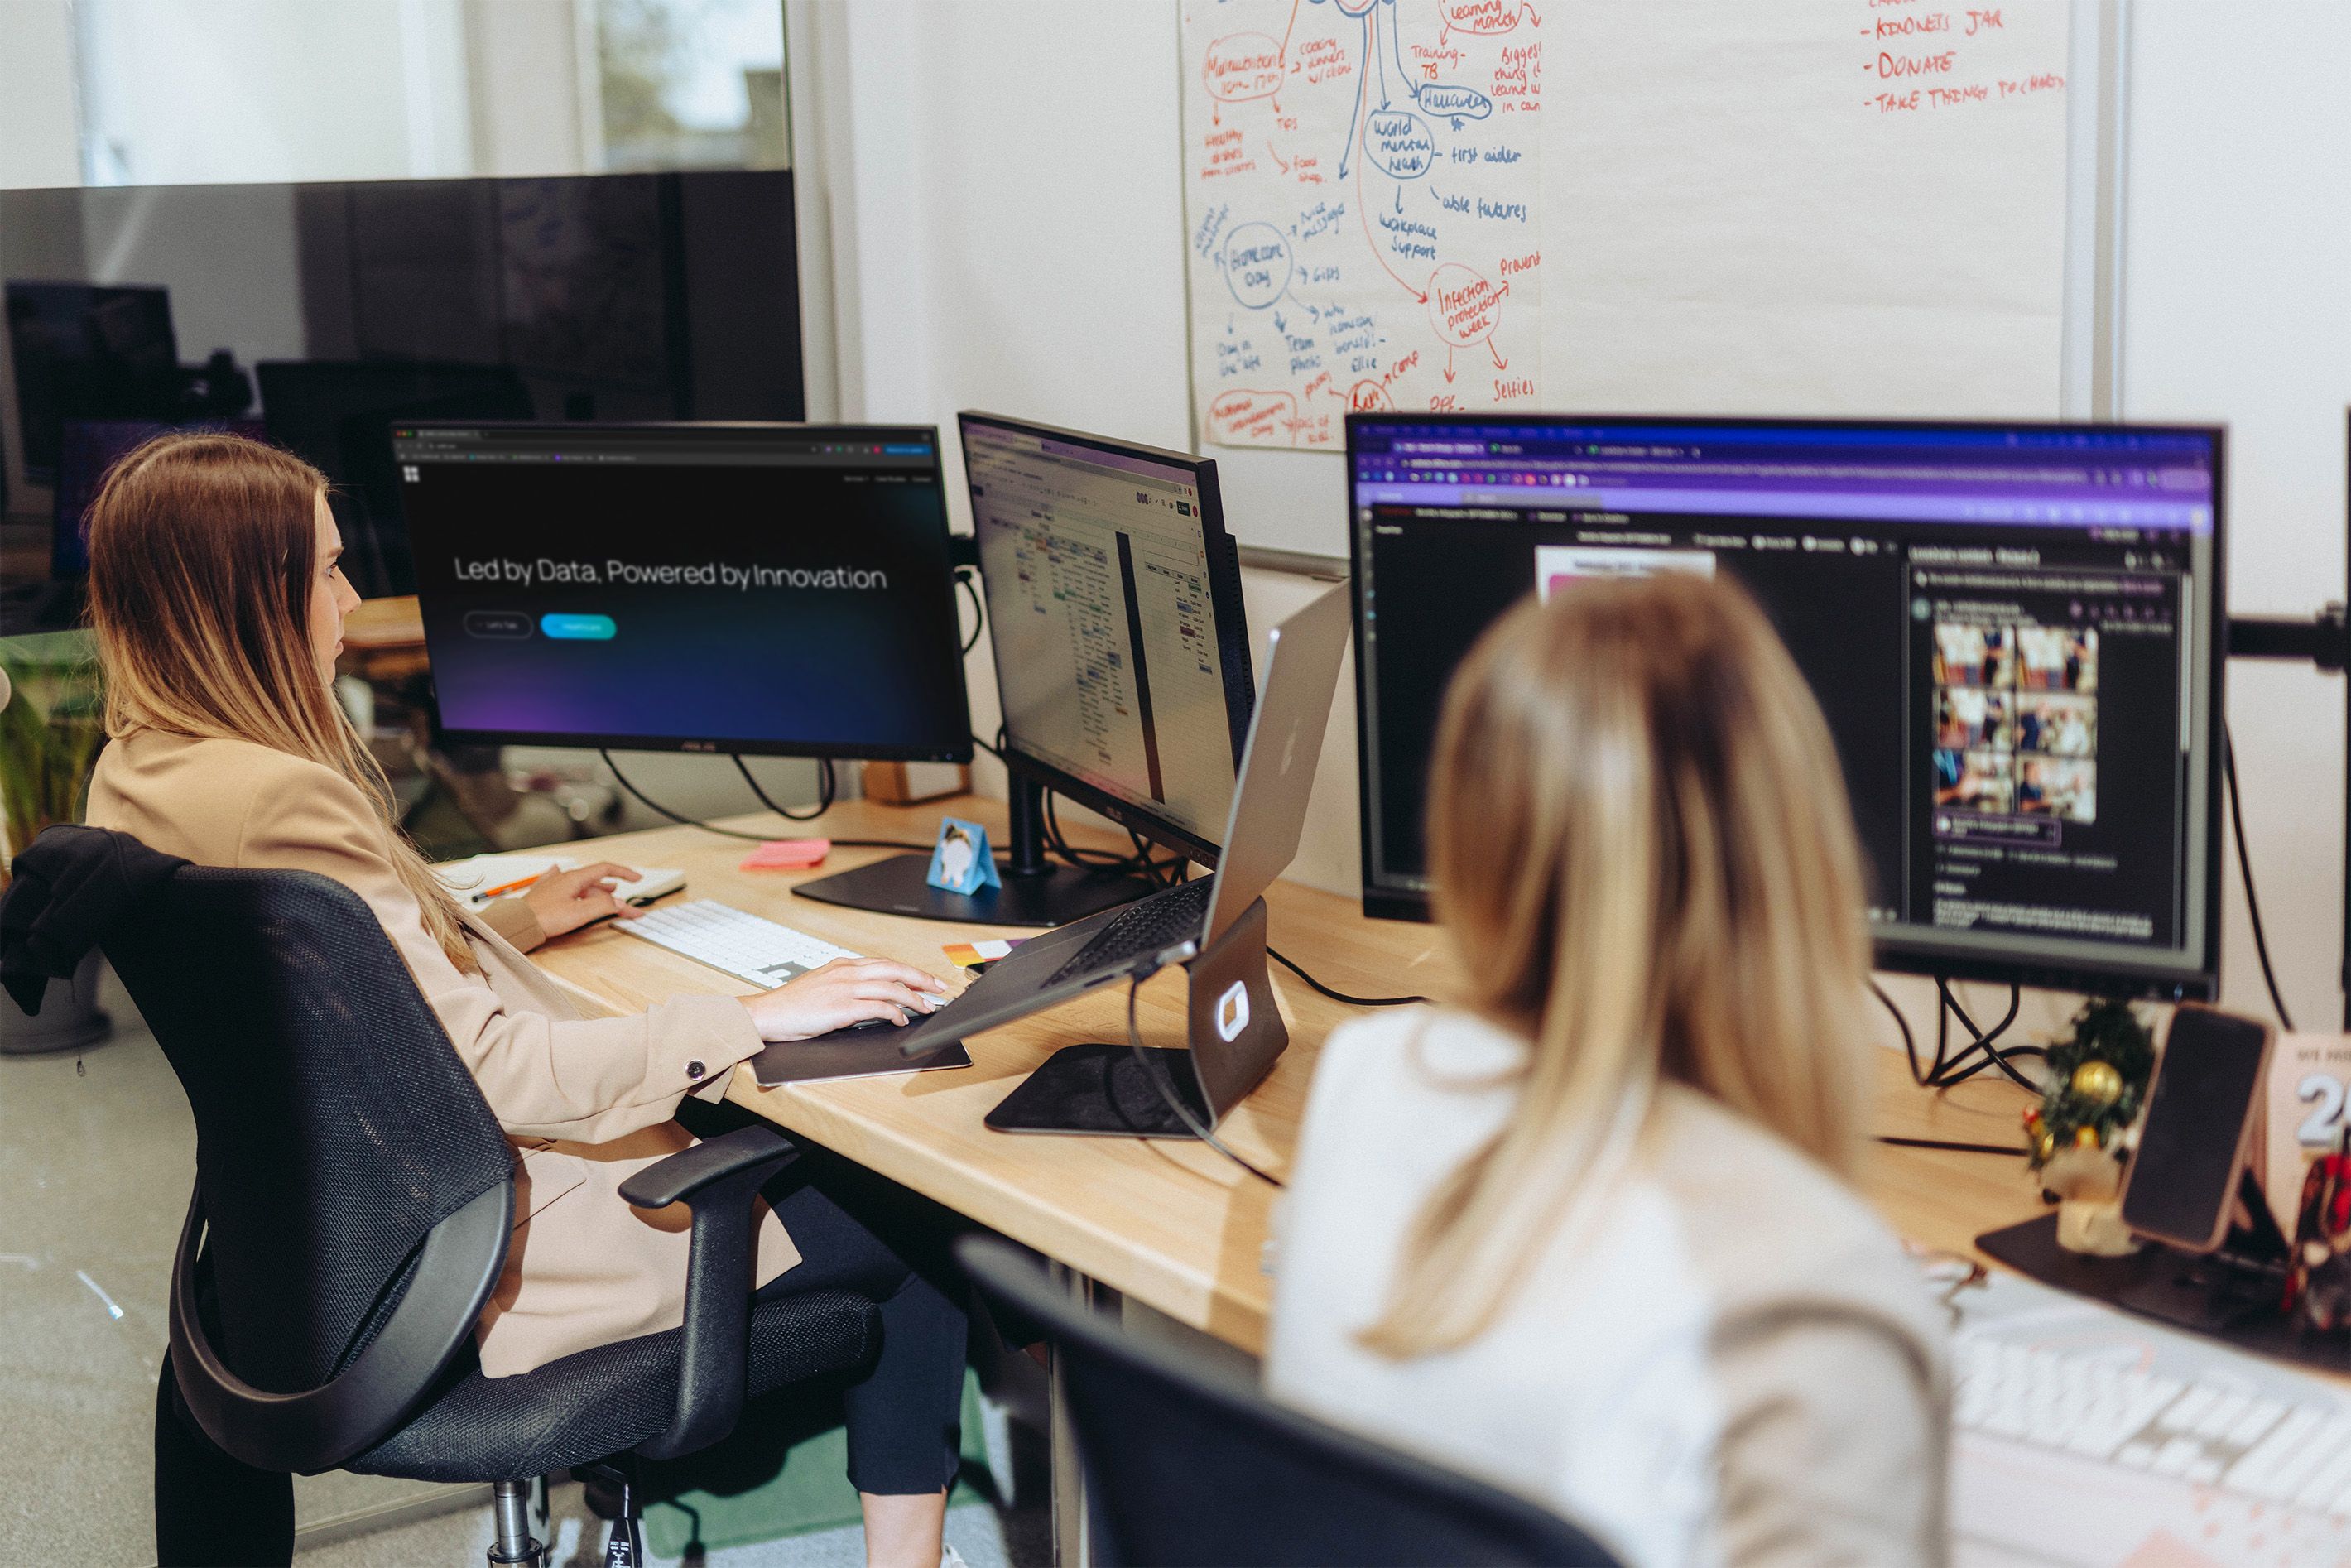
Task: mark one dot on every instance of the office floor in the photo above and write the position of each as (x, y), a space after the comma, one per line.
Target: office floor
(986, 1539)
(95, 1167)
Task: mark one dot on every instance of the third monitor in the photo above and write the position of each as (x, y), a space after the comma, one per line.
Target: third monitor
(2015, 633)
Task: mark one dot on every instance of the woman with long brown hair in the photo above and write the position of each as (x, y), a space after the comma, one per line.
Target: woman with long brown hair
(218, 608)
(1587, 1231)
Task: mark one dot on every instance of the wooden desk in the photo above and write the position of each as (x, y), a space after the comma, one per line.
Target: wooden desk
(1172, 1225)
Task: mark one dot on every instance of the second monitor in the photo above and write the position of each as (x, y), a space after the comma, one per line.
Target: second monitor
(1113, 598)
(1114, 601)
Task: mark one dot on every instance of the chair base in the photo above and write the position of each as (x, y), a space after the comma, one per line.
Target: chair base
(511, 1540)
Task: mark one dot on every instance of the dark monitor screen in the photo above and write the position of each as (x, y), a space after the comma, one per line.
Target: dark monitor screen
(753, 588)
(2015, 633)
(86, 350)
(629, 297)
(1114, 601)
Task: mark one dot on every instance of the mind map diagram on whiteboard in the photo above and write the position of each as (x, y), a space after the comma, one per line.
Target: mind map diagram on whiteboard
(1361, 206)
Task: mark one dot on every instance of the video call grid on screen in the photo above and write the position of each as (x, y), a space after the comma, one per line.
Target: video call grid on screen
(2015, 632)
(771, 588)
(1116, 664)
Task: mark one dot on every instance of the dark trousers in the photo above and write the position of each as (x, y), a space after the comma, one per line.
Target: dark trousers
(903, 1408)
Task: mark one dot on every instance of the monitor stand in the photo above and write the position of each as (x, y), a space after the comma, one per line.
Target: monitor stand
(1036, 891)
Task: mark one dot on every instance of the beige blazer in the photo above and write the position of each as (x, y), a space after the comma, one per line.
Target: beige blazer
(585, 1101)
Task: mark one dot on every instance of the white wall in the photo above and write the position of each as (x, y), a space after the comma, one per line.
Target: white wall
(260, 91)
(118, 92)
(40, 110)
(2237, 307)
(536, 108)
(1012, 238)
(986, 257)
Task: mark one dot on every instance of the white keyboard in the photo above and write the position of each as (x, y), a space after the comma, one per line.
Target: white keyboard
(740, 945)
(2202, 1433)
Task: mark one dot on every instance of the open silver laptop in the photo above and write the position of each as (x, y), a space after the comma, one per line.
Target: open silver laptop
(1261, 834)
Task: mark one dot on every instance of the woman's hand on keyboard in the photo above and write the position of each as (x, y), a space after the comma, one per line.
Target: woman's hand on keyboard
(844, 992)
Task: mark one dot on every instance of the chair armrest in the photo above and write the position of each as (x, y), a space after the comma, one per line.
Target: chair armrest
(716, 1181)
(685, 1173)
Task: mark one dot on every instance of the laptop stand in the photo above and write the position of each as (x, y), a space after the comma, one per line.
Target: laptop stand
(1103, 1090)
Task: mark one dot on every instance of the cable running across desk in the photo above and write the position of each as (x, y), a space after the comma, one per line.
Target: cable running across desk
(2000, 1149)
(1338, 995)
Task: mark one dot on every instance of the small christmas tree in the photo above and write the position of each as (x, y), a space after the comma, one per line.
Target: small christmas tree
(2097, 1077)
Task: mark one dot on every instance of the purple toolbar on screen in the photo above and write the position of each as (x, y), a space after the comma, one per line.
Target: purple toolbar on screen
(2008, 476)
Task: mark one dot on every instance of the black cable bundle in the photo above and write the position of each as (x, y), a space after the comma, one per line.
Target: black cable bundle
(1946, 1070)
(825, 787)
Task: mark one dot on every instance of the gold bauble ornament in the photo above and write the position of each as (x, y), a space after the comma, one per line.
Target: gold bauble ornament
(2048, 1146)
(2098, 1082)
(2085, 1137)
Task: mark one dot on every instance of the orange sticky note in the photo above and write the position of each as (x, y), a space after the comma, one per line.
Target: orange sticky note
(788, 854)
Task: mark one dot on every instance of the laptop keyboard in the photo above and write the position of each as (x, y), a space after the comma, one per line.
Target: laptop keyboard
(1145, 926)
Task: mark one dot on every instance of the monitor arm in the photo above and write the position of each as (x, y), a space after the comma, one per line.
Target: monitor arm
(2321, 640)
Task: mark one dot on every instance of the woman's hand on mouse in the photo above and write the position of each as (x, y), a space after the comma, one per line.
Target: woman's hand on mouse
(567, 900)
(844, 992)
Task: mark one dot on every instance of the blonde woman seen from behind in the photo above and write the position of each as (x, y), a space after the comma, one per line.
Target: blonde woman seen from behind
(1587, 1233)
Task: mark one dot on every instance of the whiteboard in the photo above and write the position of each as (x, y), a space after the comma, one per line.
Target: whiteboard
(1800, 207)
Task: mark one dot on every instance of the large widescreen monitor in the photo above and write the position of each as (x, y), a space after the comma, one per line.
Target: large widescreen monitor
(347, 306)
(2015, 630)
(777, 589)
(1114, 603)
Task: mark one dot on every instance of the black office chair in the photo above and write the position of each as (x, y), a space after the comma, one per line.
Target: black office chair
(353, 1200)
(1187, 1464)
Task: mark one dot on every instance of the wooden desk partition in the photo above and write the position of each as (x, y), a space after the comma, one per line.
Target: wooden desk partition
(1174, 1225)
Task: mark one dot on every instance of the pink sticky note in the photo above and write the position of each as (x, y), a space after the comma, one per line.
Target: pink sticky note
(788, 854)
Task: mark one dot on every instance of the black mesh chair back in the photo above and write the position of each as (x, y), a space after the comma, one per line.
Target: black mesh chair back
(1187, 1464)
(335, 1124)
(354, 1205)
